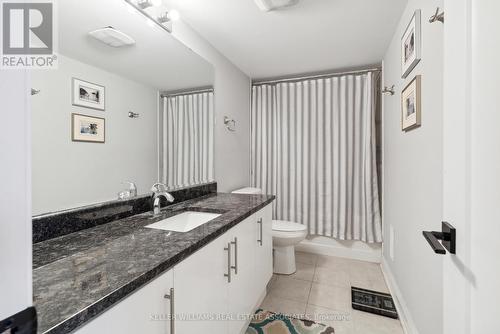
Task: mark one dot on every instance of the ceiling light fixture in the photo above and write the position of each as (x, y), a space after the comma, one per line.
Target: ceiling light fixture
(268, 5)
(112, 37)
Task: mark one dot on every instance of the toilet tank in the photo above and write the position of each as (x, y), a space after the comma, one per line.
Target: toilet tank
(248, 191)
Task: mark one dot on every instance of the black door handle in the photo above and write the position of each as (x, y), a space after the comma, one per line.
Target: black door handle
(433, 240)
(448, 236)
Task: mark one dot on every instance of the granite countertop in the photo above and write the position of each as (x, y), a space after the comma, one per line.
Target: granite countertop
(80, 275)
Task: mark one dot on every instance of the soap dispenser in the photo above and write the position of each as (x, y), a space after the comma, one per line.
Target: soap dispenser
(131, 192)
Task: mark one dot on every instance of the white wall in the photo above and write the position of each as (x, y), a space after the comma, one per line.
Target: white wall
(15, 198)
(68, 174)
(413, 175)
(232, 99)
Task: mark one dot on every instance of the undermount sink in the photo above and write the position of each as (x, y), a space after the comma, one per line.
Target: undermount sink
(184, 222)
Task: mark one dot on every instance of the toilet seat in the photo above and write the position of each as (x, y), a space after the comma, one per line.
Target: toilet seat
(287, 226)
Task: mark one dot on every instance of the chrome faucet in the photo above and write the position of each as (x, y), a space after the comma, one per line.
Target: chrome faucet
(160, 190)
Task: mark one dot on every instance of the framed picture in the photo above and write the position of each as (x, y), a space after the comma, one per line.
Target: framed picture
(88, 128)
(88, 95)
(411, 105)
(411, 46)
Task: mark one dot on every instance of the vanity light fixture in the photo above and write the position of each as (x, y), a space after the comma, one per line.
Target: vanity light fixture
(268, 5)
(143, 4)
(163, 18)
(172, 15)
(164, 21)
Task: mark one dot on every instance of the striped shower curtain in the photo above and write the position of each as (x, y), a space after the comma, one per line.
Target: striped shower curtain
(187, 139)
(314, 147)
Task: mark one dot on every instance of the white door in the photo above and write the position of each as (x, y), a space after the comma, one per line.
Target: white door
(264, 251)
(244, 282)
(15, 196)
(201, 290)
(145, 311)
(472, 165)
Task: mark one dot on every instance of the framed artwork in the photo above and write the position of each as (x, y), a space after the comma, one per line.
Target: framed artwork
(411, 45)
(88, 95)
(411, 105)
(86, 128)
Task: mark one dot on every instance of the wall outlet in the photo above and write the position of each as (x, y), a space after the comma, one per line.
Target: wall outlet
(391, 242)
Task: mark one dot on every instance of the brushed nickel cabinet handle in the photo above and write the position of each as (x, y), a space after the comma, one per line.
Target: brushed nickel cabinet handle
(259, 221)
(235, 267)
(172, 310)
(228, 249)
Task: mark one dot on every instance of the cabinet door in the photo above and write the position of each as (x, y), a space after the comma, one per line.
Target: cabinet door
(145, 311)
(264, 249)
(241, 290)
(201, 290)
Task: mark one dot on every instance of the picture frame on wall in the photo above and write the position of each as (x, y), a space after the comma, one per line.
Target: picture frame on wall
(88, 95)
(411, 105)
(85, 128)
(411, 45)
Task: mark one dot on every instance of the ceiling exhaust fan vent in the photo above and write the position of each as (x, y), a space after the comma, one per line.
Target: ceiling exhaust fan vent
(268, 5)
(112, 37)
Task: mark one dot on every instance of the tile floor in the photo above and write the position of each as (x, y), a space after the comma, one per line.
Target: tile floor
(321, 291)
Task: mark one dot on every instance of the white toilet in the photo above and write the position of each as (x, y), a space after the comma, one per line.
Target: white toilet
(285, 236)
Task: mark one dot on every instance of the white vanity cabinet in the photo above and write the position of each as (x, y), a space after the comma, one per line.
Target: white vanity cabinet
(204, 287)
(214, 289)
(145, 311)
(200, 290)
(263, 259)
(243, 290)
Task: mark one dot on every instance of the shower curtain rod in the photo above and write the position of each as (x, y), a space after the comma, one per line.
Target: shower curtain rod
(317, 76)
(190, 92)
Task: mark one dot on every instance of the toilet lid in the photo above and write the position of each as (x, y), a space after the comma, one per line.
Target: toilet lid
(286, 226)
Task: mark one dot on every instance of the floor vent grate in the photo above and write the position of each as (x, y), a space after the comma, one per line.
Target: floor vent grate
(373, 302)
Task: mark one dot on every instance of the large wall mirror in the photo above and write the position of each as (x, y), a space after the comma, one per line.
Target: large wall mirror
(111, 114)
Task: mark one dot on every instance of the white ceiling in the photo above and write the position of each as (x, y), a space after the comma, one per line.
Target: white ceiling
(157, 59)
(314, 35)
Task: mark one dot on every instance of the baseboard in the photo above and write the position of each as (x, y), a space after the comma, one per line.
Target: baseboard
(261, 300)
(403, 311)
(372, 255)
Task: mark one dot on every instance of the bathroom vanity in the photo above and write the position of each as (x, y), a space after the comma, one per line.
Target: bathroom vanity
(122, 277)
(110, 122)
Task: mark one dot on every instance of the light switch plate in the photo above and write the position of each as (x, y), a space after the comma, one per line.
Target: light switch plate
(391, 242)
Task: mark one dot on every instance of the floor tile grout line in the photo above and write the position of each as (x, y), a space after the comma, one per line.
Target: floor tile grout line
(310, 287)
